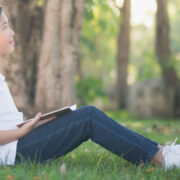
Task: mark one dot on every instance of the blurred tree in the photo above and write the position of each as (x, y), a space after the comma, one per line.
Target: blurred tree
(14, 68)
(98, 41)
(174, 12)
(123, 54)
(25, 19)
(98, 46)
(163, 51)
(57, 64)
(162, 44)
(88, 89)
(58, 53)
(31, 19)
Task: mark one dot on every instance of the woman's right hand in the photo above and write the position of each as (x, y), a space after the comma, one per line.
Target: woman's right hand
(29, 126)
(7, 136)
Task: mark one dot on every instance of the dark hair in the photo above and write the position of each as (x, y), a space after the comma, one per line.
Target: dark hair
(0, 10)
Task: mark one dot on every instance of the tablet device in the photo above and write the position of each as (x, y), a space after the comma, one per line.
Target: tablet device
(56, 113)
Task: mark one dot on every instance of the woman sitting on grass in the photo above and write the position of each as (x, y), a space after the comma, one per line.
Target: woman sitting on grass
(49, 139)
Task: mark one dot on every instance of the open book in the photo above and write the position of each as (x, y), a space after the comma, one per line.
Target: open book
(56, 113)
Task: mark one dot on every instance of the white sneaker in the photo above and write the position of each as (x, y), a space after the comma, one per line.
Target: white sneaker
(171, 156)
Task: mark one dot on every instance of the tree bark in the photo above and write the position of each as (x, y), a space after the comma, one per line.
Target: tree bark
(55, 84)
(123, 54)
(47, 90)
(162, 44)
(70, 28)
(163, 51)
(20, 68)
(31, 19)
(12, 65)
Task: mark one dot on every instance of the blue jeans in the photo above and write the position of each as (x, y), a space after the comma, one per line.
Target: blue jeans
(63, 134)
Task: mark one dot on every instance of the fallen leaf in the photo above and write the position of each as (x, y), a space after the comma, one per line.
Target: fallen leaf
(149, 170)
(36, 178)
(10, 177)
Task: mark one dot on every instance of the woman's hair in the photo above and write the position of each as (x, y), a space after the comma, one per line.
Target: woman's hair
(0, 10)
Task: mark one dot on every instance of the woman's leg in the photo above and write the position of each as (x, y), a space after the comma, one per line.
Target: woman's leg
(63, 134)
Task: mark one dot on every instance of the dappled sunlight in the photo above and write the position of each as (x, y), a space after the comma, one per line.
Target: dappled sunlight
(142, 12)
(133, 124)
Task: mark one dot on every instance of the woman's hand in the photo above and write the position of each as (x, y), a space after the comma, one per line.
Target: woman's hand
(29, 126)
(7, 136)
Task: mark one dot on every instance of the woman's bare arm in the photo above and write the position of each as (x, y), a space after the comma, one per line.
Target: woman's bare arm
(7, 136)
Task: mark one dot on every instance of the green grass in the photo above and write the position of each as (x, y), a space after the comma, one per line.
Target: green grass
(92, 162)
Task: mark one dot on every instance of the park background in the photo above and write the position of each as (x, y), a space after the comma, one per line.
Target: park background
(123, 56)
(114, 54)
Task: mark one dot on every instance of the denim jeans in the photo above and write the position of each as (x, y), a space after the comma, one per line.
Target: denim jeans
(63, 134)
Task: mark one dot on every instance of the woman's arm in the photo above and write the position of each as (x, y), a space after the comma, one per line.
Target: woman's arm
(10, 135)
(7, 136)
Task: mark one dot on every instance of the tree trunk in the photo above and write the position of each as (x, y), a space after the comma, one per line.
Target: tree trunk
(162, 44)
(20, 68)
(163, 51)
(123, 54)
(55, 84)
(31, 19)
(12, 65)
(70, 27)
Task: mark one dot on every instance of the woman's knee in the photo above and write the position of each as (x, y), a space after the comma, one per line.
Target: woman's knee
(90, 108)
(90, 111)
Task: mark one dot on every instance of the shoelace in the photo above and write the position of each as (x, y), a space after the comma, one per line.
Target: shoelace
(168, 154)
(171, 147)
(174, 141)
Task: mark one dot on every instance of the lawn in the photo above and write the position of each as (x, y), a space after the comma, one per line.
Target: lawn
(91, 162)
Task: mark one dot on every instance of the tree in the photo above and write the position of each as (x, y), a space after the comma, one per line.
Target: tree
(12, 66)
(58, 53)
(57, 63)
(163, 51)
(162, 44)
(123, 54)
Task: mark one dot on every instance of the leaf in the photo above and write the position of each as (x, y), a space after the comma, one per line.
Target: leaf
(10, 177)
(36, 178)
(149, 170)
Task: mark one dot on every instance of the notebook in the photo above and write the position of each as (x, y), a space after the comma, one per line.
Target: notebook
(56, 113)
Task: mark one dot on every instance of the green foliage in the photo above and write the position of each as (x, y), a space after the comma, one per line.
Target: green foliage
(41, 3)
(174, 11)
(143, 62)
(98, 44)
(98, 39)
(149, 67)
(89, 89)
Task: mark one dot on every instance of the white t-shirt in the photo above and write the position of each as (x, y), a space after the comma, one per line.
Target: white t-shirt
(9, 117)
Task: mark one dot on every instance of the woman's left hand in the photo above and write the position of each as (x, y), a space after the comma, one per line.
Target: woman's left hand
(41, 122)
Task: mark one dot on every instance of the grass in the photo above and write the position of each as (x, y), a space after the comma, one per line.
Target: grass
(91, 162)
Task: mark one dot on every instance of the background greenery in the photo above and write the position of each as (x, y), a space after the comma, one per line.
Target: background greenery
(99, 44)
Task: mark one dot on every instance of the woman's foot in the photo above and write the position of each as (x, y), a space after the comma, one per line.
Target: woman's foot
(158, 157)
(171, 156)
(168, 156)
